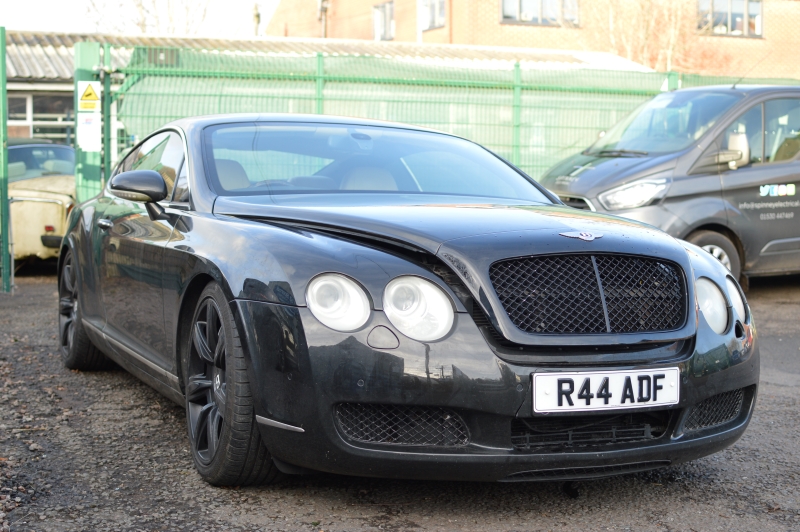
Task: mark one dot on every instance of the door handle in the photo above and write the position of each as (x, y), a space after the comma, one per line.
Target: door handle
(105, 224)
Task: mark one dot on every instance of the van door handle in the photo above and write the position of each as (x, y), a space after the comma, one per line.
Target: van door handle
(105, 224)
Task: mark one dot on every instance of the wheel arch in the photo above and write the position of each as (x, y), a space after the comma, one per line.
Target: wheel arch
(726, 231)
(191, 296)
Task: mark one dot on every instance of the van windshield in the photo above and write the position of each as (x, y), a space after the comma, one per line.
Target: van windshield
(668, 123)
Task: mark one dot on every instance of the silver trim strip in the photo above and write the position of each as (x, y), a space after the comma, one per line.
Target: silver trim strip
(173, 379)
(17, 199)
(793, 246)
(278, 424)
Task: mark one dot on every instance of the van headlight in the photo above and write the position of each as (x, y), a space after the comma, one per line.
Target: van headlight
(712, 304)
(418, 308)
(636, 194)
(337, 302)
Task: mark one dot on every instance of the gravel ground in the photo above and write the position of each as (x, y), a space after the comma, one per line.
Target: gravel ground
(102, 451)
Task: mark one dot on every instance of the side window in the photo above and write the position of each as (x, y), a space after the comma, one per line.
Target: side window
(162, 153)
(782, 132)
(182, 185)
(126, 163)
(745, 135)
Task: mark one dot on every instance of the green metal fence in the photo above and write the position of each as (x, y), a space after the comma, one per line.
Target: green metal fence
(532, 117)
(530, 114)
(5, 229)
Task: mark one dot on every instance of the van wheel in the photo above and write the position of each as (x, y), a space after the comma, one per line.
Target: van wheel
(721, 247)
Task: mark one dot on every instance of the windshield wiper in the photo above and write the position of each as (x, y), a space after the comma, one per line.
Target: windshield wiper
(620, 153)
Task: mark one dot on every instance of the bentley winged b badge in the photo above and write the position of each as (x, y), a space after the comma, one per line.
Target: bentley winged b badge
(583, 235)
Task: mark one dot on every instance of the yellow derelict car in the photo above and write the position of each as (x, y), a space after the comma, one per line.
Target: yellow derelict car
(41, 186)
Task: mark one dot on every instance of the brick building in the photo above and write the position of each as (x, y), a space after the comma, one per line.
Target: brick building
(757, 38)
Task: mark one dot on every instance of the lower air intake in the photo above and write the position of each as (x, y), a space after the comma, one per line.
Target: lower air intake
(401, 425)
(549, 434)
(578, 473)
(717, 410)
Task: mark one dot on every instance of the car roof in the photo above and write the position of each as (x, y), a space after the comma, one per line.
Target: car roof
(745, 89)
(26, 142)
(208, 120)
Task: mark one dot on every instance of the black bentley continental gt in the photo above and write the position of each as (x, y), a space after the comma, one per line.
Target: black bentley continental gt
(365, 298)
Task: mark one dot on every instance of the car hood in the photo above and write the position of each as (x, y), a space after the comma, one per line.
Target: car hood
(430, 222)
(57, 184)
(588, 175)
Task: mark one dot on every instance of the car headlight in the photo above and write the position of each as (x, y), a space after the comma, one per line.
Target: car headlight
(338, 302)
(736, 298)
(712, 304)
(634, 194)
(418, 308)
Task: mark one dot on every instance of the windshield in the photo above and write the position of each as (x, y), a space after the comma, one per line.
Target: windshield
(27, 162)
(669, 122)
(252, 159)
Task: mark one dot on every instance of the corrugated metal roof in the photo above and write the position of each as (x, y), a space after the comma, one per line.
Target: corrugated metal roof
(48, 57)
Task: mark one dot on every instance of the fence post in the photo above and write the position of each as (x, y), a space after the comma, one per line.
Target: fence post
(88, 143)
(320, 82)
(106, 111)
(5, 237)
(672, 81)
(517, 115)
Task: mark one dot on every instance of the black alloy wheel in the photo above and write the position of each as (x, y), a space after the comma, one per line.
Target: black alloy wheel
(67, 304)
(77, 350)
(206, 387)
(226, 445)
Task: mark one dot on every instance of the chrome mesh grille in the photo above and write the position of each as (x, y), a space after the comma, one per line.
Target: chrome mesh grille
(716, 410)
(401, 425)
(560, 294)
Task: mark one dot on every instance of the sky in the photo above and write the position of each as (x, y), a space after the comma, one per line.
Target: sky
(224, 18)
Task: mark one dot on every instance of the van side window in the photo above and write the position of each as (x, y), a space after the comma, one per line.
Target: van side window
(782, 132)
(745, 135)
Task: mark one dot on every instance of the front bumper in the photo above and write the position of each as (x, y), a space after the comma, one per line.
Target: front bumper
(303, 370)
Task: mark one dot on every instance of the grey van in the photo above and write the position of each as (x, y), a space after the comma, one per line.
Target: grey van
(717, 166)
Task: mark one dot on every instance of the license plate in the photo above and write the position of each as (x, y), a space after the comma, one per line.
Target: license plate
(584, 391)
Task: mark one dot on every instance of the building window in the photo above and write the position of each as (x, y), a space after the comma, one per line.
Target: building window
(383, 21)
(432, 14)
(736, 18)
(542, 12)
(41, 115)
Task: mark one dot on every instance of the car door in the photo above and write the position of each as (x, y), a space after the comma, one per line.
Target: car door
(761, 196)
(132, 258)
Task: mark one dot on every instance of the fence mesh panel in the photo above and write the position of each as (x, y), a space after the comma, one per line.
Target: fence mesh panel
(529, 114)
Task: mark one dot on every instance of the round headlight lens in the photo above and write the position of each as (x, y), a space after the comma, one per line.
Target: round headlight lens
(712, 305)
(736, 298)
(338, 302)
(418, 308)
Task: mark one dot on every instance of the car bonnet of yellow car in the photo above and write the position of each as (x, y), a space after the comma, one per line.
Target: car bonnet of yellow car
(56, 184)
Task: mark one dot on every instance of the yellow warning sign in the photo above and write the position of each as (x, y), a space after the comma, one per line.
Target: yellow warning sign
(89, 94)
(89, 99)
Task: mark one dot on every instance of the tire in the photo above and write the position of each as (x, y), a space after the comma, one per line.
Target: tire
(721, 247)
(226, 445)
(77, 350)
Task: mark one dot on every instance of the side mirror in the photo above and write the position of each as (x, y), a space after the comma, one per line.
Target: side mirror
(142, 185)
(738, 143)
(139, 185)
(714, 161)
